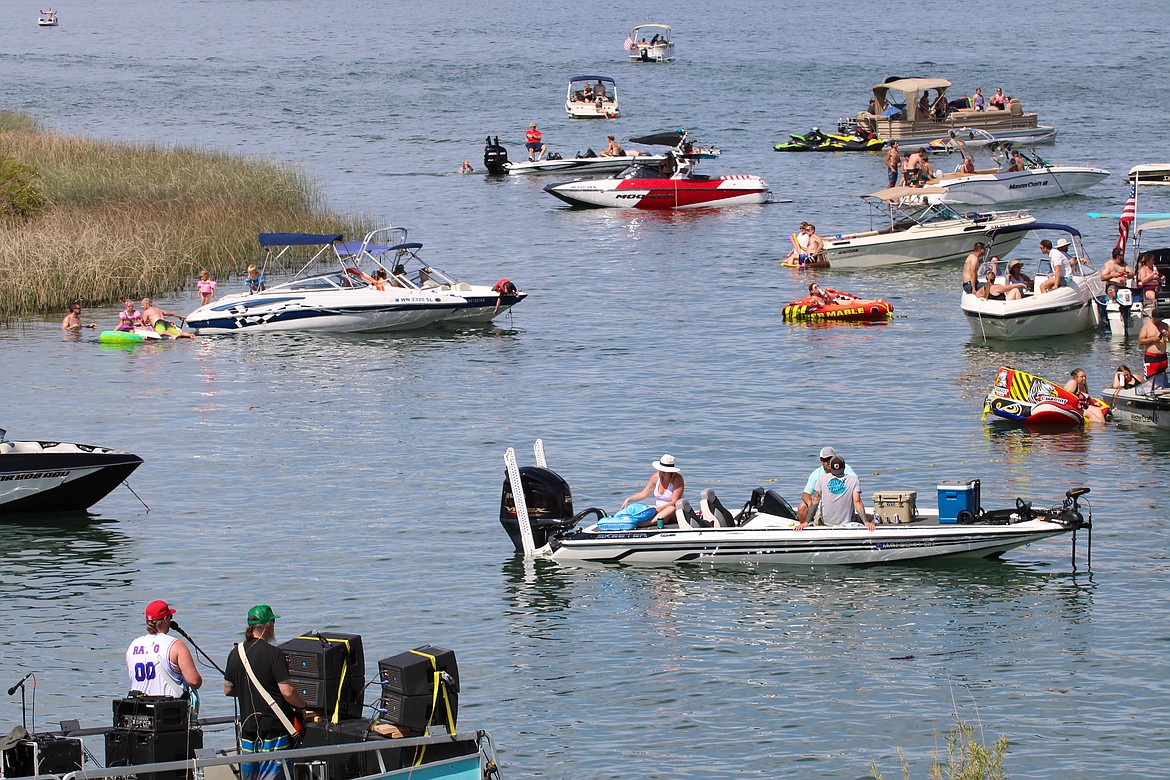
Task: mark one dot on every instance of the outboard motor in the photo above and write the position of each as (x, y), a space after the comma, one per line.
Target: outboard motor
(549, 502)
(495, 157)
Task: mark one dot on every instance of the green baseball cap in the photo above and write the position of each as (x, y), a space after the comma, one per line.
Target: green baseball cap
(260, 614)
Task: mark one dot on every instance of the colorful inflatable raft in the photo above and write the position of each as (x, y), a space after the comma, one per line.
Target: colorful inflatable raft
(128, 336)
(843, 307)
(1032, 400)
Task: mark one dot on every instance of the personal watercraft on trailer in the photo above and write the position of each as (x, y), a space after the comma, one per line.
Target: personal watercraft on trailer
(1032, 400)
(495, 159)
(836, 305)
(816, 141)
(536, 510)
(672, 184)
(58, 476)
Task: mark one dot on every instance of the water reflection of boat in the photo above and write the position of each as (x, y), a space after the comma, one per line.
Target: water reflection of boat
(56, 476)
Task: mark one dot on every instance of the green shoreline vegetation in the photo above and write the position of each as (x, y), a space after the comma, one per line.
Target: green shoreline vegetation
(97, 221)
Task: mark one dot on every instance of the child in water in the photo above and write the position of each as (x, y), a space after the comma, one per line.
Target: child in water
(206, 287)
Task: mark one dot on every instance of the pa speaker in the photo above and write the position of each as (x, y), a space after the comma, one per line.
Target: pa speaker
(412, 674)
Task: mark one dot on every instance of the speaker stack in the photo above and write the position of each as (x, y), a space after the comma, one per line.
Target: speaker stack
(54, 755)
(329, 671)
(408, 688)
(150, 730)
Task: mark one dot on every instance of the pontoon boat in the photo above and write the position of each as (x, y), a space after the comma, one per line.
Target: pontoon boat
(650, 43)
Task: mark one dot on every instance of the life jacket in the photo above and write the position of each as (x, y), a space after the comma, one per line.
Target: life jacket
(504, 287)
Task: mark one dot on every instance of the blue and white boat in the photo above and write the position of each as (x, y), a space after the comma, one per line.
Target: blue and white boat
(330, 293)
(592, 97)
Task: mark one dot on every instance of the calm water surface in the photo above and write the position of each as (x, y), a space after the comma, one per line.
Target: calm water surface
(353, 482)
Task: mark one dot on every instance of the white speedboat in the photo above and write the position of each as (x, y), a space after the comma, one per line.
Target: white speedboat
(47, 19)
(387, 249)
(341, 299)
(764, 530)
(650, 43)
(495, 159)
(671, 184)
(962, 139)
(1070, 308)
(57, 476)
(592, 97)
(916, 231)
(1039, 179)
(1148, 402)
(906, 111)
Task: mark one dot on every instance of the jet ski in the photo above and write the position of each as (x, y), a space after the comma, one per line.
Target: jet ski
(816, 141)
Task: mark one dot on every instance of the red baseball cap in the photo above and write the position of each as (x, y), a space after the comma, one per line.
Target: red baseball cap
(157, 610)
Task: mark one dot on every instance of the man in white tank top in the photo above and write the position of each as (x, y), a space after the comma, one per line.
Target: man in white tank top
(158, 664)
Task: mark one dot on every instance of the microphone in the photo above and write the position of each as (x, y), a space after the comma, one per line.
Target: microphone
(12, 690)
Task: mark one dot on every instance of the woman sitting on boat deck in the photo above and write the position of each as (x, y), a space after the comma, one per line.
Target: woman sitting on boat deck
(665, 485)
(999, 292)
(1124, 378)
(1148, 278)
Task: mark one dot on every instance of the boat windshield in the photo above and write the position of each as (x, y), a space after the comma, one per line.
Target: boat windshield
(396, 262)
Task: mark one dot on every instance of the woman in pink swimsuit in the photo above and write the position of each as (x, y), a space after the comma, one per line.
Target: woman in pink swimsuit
(665, 485)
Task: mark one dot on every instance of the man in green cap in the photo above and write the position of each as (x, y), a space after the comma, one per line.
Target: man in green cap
(271, 709)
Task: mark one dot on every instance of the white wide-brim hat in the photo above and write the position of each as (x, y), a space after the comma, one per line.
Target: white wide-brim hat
(666, 464)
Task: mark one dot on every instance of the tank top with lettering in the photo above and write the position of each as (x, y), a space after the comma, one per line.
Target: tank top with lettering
(151, 672)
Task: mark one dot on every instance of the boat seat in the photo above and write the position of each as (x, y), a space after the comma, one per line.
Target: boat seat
(714, 511)
(686, 517)
(6, 447)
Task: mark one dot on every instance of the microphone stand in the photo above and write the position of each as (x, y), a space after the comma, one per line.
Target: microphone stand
(23, 703)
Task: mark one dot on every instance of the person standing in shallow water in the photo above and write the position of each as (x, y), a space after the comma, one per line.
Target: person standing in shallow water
(206, 287)
(72, 321)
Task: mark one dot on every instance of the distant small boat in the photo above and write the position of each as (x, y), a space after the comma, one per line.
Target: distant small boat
(47, 19)
(650, 43)
(592, 97)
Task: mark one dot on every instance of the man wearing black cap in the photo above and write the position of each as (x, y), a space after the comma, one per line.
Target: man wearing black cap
(257, 674)
(827, 454)
(159, 664)
(839, 494)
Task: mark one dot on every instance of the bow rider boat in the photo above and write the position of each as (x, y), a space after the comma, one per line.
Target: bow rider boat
(1032, 400)
(671, 184)
(1038, 180)
(650, 43)
(916, 231)
(904, 110)
(47, 19)
(341, 300)
(57, 476)
(764, 530)
(495, 159)
(1069, 308)
(592, 97)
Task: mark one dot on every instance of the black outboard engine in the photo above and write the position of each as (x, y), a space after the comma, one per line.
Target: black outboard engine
(495, 157)
(549, 502)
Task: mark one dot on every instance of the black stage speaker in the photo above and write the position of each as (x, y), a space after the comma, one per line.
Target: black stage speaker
(411, 674)
(125, 747)
(151, 713)
(55, 756)
(325, 666)
(344, 733)
(414, 712)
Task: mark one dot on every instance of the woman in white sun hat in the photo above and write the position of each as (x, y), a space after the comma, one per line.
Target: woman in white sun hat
(665, 485)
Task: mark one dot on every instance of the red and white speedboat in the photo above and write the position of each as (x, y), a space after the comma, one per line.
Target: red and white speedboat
(671, 184)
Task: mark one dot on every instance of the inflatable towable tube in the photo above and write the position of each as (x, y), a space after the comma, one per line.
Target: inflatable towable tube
(845, 307)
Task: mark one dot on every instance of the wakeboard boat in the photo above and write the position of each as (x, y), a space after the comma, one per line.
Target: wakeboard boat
(904, 110)
(57, 476)
(1070, 308)
(592, 97)
(495, 159)
(917, 231)
(1038, 180)
(671, 184)
(536, 510)
(650, 43)
(340, 299)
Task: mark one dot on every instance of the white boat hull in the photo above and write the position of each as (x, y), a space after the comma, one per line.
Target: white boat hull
(360, 311)
(933, 242)
(1024, 136)
(1061, 312)
(734, 190)
(1141, 404)
(986, 189)
(584, 166)
(644, 52)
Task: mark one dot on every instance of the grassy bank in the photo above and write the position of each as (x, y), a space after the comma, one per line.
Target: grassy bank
(133, 220)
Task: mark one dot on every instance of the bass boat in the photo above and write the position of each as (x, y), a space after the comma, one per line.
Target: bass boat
(495, 160)
(536, 510)
(672, 184)
(1035, 401)
(839, 306)
(816, 141)
(57, 476)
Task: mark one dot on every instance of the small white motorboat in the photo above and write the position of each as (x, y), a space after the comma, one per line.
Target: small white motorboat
(536, 510)
(495, 159)
(341, 299)
(592, 97)
(1038, 180)
(1148, 402)
(1070, 308)
(47, 19)
(57, 476)
(650, 43)
(917, 231)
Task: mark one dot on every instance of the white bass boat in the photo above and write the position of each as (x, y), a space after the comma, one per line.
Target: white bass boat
(495, 159)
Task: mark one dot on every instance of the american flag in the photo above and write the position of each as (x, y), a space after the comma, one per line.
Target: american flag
(1128, 214)
(629, 44)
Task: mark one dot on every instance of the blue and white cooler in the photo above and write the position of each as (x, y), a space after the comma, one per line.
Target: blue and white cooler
(954, 498)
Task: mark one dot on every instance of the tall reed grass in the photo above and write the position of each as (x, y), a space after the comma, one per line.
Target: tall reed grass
(133, 220)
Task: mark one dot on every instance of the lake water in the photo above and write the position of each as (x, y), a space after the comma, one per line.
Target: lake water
(353, 482)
